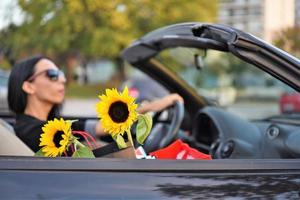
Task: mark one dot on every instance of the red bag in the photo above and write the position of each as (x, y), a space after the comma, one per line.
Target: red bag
(180, 151)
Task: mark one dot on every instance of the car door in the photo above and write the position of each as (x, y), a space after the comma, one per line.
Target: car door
(67, 178)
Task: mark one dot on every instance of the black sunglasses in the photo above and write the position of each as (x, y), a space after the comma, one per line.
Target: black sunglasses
(52, 74)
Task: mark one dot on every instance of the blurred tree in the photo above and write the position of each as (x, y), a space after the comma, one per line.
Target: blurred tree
(288, 39)
(70, 29)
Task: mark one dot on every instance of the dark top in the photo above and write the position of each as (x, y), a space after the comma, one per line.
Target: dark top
(29, 129)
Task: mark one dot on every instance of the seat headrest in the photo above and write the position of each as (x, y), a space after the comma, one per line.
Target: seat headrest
(10, 144)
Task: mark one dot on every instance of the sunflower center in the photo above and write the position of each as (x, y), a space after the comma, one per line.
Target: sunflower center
(57, 138)
(118, 111)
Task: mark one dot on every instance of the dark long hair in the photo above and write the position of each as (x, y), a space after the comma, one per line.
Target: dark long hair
(17, 98)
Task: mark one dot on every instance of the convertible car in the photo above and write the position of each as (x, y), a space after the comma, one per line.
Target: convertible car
(255, 149)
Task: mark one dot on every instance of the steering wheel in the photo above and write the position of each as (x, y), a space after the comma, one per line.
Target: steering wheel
(164, 132)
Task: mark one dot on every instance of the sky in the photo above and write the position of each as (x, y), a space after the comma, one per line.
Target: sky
(9, 11)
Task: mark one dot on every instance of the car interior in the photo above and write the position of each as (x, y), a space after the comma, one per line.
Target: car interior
(210, 128)
(250, 126)
(10, 144)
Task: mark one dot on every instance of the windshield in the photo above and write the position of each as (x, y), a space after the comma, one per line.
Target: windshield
(237, 86)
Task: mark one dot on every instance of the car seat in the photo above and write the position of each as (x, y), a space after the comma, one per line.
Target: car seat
(10, 144)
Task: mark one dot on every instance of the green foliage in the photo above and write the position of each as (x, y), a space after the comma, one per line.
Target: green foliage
(143, 127)
(84, 91)
(39, 153)
(83, 152)
(120, 141)
(288, 39)
(226, 64)
(4, 64)
(95, 28)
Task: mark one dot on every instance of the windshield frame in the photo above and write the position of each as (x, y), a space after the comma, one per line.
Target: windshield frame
(275, 62)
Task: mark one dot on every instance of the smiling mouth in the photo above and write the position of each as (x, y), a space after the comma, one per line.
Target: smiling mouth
(61, 91)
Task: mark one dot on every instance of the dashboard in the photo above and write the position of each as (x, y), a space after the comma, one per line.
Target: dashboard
(229, 136)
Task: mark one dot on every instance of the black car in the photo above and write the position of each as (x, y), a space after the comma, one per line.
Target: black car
(254, 157)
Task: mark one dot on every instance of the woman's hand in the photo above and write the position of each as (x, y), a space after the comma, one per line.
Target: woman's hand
(160, 104)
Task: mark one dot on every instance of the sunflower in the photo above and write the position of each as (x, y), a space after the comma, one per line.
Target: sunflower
(56, 137)
(117, 111)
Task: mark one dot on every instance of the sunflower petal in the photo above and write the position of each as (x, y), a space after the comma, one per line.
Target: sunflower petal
(103, 107)
(49, 147)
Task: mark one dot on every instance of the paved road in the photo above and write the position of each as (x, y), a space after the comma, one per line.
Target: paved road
(86, 108)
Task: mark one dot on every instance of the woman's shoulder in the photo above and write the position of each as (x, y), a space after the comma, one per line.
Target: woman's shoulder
(25, 123)
(28, 129)
(24, 117)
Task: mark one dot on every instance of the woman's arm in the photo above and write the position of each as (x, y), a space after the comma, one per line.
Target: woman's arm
(159, 104)
(99, 130)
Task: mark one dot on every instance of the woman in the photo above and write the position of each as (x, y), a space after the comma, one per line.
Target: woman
(36, 89)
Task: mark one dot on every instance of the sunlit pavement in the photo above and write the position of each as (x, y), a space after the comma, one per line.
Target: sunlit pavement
(87, 108)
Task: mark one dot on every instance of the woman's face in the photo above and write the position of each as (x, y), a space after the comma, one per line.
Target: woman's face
(44, 88)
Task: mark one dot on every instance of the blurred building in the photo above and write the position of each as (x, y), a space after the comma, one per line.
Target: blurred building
(297, 12)
(262, 18)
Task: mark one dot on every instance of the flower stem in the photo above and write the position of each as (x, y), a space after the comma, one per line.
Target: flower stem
(85, 138)
(77, 143)
(87, 135)
(130, 137)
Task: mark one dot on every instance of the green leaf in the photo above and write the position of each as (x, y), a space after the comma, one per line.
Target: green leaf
(39, 153)
(120, 141)
(143, 127)
(83, 152)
